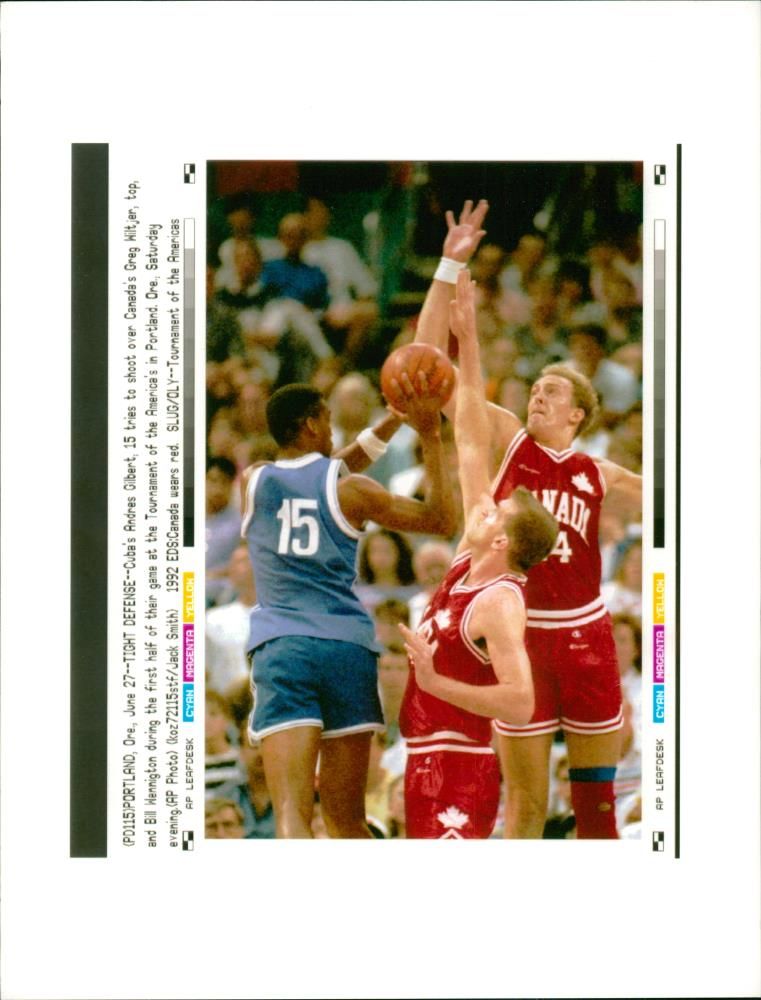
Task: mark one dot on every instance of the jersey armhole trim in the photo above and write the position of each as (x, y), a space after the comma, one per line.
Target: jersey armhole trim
(248, 512)
(601, 477)
(331, 493)
(465, 623)
(509, 455)
(465, 635)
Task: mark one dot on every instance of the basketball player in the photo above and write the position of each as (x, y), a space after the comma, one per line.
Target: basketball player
(568, 638)
(469, 663)
(313, 644)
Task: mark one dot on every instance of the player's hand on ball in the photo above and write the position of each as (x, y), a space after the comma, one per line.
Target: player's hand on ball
(421, 410)
(462, 310)
(421, 654)
(413, 371)
(463, 237)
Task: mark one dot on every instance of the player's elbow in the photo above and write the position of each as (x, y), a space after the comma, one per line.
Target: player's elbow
(518, 707)
(447, 523)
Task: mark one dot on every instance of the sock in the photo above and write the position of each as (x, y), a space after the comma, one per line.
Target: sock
(594, 803)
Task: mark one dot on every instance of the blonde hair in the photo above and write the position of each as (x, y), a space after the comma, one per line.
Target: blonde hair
(584, 393)
(532, 531)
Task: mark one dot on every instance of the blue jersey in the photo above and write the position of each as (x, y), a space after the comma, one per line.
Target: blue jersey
(304, 554)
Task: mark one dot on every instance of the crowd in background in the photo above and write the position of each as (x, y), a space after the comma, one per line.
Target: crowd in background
(302, 304)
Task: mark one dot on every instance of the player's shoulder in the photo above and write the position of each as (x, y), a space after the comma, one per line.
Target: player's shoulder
(504, 595)
(251, 469)
(499, 611)
(506, 426)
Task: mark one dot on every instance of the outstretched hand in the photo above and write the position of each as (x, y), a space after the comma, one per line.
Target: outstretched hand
(463, 237)
(422, 412)
(421, 654)
(462, 310)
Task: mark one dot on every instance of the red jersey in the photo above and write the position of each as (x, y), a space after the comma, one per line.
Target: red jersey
(563, 591)
(427, 722)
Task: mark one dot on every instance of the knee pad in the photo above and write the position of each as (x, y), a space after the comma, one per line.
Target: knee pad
(594, 802)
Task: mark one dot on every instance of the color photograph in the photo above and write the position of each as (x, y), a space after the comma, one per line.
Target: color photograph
(492, 686)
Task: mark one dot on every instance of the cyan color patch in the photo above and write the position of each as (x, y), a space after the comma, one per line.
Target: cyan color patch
(188, 703)
(659, 703)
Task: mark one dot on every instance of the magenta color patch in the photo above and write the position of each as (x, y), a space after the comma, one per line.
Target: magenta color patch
(188, 653)
(659, 653)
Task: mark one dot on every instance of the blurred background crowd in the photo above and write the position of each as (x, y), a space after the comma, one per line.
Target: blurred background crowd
(315, 272)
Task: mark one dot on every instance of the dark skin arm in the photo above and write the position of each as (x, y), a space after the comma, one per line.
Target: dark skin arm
(355, 457)
(362, 499)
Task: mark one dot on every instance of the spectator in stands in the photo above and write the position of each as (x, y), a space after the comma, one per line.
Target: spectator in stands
(225, 435)
(241, 219)
(240, 698)
(574, 305)
(513, 394)
(227, 625)
(561, 822)
(392, 679)
(626, 440)
(491, 311)
(221, 754)
(379, 780)
(627, 635)
(616, 385)
(222, 523)
(540, 341)
(251, 794)
(224, 820)
(352, 289)
(430, 562)
(499, 358)
(397, 825)
(525, 262)
(239, 285)
(623, 314)
(624, 592)
(355, 404)
(291, 277)
(613, 541)
(393, 671)
(385, 568)
(223, 335)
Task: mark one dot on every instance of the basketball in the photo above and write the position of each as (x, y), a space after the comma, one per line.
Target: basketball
(417, 359)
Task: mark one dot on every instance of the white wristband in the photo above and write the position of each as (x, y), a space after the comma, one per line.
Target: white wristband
(448, 270)
(371, 445)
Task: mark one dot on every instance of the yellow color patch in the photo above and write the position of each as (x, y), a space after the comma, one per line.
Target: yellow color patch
(659, 598)
(188, 597)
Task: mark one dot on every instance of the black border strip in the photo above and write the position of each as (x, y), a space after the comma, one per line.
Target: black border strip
(89, 500)
(189, 374)
(659, 390)
(678, 492)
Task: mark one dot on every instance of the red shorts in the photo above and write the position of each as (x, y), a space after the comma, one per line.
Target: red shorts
(449, 794)
(577, 686)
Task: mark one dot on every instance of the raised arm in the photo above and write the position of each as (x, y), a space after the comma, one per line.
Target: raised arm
(460, 244)
(499, 618)
(621, 485)
(369, 444)
(472, 427)
(362, 499)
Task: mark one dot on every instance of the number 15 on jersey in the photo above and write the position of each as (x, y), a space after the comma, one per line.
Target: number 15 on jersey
(299, 531)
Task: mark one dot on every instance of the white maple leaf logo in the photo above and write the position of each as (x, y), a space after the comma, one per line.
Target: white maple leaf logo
(582, 484)
(443, 618)
(452, 818)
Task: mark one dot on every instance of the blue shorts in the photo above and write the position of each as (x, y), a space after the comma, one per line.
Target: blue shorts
(301, 681)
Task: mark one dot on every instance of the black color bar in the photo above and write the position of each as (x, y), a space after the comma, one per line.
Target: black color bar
(89, 499)
(659, 387)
